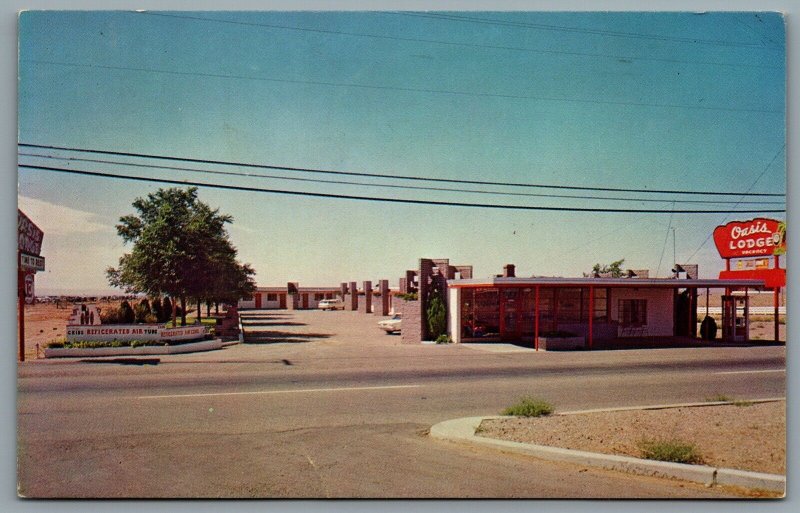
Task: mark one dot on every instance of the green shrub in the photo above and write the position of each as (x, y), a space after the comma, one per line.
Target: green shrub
(444, 339)
(674, 451)
(743, 403)
(166, 310)
(529, 407)
(126, 314)
(409, 296)
(142, 310)
(437, 318)
(718, 398)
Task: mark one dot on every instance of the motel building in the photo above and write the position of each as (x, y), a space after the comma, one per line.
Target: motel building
(590, 313)
(291, 297)
(594, 311)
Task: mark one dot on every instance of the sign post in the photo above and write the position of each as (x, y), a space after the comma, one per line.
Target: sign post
(754, 241)
(29, 247)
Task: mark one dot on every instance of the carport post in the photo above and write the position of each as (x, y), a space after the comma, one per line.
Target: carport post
(777, 300)
(536, 319)
(776, 303)
(591, 314)
(689, 312)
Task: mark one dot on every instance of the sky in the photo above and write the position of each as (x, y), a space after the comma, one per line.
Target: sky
(656, 101)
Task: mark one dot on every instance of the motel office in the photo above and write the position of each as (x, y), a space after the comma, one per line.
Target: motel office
(598, 309)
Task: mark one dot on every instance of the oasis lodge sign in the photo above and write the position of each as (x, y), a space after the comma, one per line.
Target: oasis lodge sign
(755, 238)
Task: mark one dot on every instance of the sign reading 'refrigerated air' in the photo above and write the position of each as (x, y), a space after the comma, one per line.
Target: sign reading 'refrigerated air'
(754, 238)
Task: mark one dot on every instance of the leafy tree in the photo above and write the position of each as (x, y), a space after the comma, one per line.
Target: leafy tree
(615, 268)
(179, 245)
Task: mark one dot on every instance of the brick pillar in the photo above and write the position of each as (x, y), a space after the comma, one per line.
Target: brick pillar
(365, 306)
(382, 307)
(424, 277)
(351, 303)
(411, 332)
(410, 287)
(343, 291)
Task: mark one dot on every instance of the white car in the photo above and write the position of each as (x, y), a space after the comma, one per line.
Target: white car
(391, 325)
(331, 304)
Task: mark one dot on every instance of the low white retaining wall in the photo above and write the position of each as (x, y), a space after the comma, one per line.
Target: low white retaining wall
(203, 345)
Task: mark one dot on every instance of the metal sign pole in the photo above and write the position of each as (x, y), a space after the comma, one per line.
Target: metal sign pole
(21, 300)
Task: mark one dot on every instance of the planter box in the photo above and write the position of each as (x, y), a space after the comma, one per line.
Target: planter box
(561, 343)
(203, 345)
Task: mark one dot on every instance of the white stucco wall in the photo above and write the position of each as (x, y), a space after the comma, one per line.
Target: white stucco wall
(660, 321)
(454, 314)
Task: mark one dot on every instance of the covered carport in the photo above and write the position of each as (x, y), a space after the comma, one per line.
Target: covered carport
(597, 309)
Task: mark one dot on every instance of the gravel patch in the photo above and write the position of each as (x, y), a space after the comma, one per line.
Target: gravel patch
(748, 437)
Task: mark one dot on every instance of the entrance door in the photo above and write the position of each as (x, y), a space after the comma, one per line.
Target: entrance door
(305, 300)
(511, 313)
(282, 298)
(258, 300)
(735, 319)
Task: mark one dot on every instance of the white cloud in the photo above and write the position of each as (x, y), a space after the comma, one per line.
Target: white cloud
(60, 220)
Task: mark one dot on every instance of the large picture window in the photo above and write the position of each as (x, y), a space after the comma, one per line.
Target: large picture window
(272, 297)
(633, 312)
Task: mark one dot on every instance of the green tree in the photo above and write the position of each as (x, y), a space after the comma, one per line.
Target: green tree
(178, 244)
(615, 268)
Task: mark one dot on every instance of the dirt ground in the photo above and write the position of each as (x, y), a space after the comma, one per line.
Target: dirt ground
(45, 323)
(747, 437)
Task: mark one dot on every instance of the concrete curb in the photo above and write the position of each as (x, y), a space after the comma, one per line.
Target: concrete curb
(205, 345)
(463, 431)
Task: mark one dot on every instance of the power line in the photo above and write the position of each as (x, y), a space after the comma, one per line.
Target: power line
(557, 28)
(452, 43)
(661, 258)
(376, 199)
(729, 213)
(381, 175)
(404, 89)
(392, 186)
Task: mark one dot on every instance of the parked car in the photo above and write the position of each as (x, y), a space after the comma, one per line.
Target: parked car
(331, 304)
(391, 325)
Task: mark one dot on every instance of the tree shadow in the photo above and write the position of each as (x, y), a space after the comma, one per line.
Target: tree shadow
(126, 361)
(272, 337)
(278, 323)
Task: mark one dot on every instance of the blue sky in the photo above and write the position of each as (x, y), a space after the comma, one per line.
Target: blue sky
(629, 100)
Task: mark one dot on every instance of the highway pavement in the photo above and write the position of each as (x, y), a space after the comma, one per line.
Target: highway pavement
(329, 406)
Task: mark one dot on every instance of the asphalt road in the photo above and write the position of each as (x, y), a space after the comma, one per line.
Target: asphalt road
(342, 410)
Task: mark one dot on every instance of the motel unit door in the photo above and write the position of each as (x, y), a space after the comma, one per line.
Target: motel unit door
(516, 313)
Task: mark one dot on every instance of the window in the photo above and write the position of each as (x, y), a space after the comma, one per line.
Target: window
(633, 312)
(569, 305)
(487, 312)
(319, 296)
(272, 297)
(600, 304)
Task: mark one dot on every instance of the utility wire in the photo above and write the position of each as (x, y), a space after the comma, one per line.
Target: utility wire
(376, 199)
(394, 177)
(452, 43)
(392, 186)
(729, 213)
(666, 237)
(557, 28)
(404, 89)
